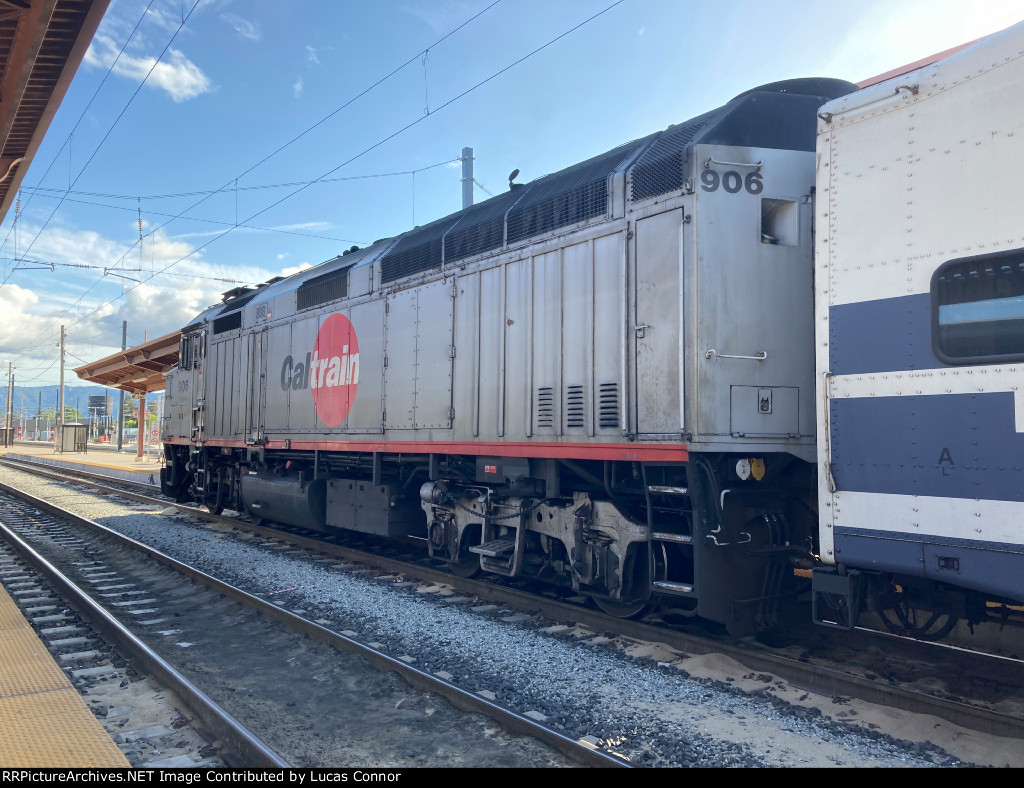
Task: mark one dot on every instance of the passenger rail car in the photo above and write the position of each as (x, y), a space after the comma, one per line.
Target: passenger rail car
(920, 343)
(608, 378)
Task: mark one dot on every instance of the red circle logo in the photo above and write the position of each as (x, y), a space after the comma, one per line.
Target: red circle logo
(334, 369)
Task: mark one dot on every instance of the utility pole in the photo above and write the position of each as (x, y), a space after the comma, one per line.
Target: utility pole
(467, 178)
(120, 407)
(59, 438)
(10, 401)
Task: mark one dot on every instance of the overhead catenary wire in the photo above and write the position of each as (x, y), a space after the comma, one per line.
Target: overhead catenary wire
(120, 115)
(281, 148)
(366, 150)
(324, 119)
(67, 142)
(49, 190)
(375, 145)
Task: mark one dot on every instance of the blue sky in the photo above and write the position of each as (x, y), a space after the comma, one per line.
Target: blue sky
(258, 138)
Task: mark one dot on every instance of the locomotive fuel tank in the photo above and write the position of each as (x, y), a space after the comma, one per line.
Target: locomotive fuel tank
(286, 499)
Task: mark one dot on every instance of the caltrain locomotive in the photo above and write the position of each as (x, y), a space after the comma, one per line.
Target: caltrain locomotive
(766, 357)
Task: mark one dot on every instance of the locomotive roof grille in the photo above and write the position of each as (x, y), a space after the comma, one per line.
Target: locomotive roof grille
(567, 197)
(772, 116)
(411, 260)
(660, 168)
(480, 228)
(419, 250)
(321, 289)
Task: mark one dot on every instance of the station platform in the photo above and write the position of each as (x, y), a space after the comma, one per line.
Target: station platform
(108, 462)
(44, 723)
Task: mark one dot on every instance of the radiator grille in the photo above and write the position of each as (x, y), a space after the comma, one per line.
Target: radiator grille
(572, 195)
(661, 167)
(321, 289)
(421, 257)
(419, 250)
(480, 229)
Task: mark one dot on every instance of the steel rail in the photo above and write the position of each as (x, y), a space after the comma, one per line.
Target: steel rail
(580, 751)
(237, 738)
(822, 680)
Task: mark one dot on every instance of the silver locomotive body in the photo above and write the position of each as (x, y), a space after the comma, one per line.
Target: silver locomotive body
(603, 378)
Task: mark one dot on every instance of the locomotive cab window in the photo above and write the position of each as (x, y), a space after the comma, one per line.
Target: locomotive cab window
(978, 309)
(185, 353)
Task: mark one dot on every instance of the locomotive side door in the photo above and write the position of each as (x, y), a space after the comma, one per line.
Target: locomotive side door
(256, 396)
(657, 327)
(418, 357)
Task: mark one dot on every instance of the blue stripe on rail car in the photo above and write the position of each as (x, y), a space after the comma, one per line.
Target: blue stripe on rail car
(942, 445)
(887, 335)
(991, 567)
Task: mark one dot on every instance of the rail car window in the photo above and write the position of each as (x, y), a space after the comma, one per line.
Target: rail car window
(978, 309)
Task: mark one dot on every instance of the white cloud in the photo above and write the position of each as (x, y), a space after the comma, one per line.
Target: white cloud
(295, 269)
(93, 305)
(243, 27)
(442, 16)
(176, 74)
(297, 88)
(311, 56)
(164, 20)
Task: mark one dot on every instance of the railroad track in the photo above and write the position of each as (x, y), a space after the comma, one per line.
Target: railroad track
(151, 594)
(104, 659)
(794, 667)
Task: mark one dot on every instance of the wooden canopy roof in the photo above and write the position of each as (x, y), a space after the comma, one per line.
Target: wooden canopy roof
(42, 44)
(137, 370)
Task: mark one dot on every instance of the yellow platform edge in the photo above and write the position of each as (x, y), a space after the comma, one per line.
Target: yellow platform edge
(44, 723)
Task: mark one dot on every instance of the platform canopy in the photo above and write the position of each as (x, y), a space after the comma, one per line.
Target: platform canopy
(137, 370)
(42, 44)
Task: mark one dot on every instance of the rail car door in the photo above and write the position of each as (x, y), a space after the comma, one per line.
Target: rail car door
(657, 272)
(256, 396)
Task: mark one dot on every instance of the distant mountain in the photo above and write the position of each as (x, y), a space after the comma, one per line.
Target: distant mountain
(30, 400)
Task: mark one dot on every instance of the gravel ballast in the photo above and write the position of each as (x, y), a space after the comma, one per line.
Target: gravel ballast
(661, 709)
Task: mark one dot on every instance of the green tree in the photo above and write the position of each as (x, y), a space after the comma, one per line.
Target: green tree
(70, 414)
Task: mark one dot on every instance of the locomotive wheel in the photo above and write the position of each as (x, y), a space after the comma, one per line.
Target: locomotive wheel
(214, 508)
(466, 569)
(623, 610)
(918, 624)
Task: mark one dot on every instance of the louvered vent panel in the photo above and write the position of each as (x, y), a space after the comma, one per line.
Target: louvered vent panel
(574, 406)
(261, 312)
(545, 407)
(228, 322)
(608, 415)
(660, 169)
(321, 289)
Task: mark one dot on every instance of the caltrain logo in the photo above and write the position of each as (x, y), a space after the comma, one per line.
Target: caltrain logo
(330, 371)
